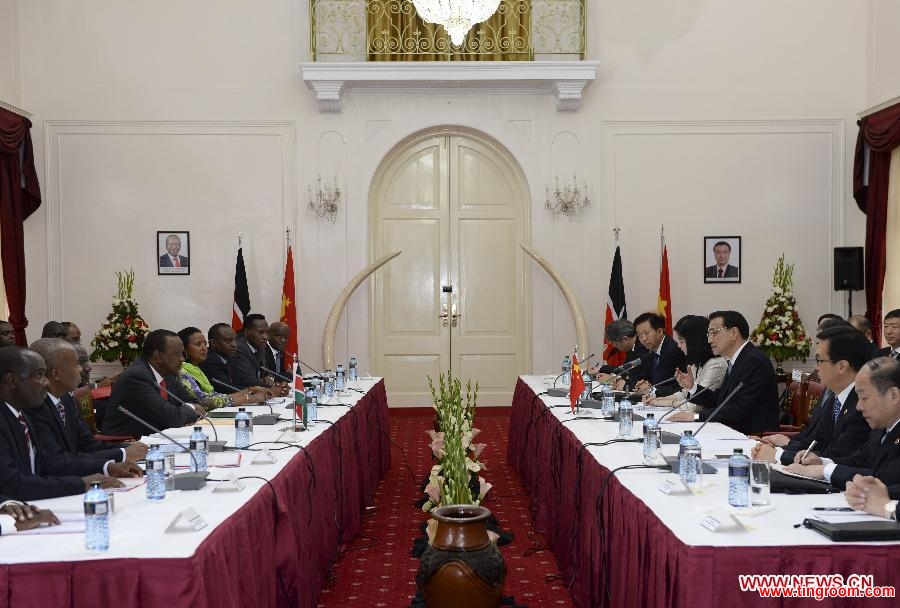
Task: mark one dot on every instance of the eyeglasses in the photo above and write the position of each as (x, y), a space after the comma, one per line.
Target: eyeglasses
(825, 361)
(713, 331)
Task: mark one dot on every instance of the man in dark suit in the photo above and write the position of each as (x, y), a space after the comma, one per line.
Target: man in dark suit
(623, 337)
(275, 357)
(148, 389)
(172, 257)
(878, 387)
(222, 347)
(836, 426)
(891, 335)
(248, 357)
(27, 472)
(62, 432)
(722, 270)
(753, 409)
(663, 357)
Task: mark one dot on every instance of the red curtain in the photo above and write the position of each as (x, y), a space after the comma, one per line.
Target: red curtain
(880, 132)
(20, 196)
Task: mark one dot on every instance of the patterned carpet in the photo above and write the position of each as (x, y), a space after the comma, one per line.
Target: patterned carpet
(377, 570)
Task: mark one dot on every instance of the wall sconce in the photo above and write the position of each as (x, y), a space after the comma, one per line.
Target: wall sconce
(569, 201)
(326, 199)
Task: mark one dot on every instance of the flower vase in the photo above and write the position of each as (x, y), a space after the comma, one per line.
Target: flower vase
(125, 359)
(461, 568)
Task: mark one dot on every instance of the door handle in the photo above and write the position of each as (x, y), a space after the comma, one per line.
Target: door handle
(444, 316)
(454, 316)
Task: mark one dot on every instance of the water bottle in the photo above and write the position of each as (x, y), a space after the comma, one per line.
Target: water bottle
(328, 388)
(96, 518)
(353, 373)
(738, 479)
(312, 394)
(312, 407)
(609, 400)
(626, 420)
(651, 437)
(340, 379)
(588, 385)
(687, 467)
(156, 474)
(242, 429)
(566, 378)
(199, 447)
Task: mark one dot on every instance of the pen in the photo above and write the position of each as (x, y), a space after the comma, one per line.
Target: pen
(832, 509)
(806, 453)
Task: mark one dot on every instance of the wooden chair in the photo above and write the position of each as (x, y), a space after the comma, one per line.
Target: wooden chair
(85, 399)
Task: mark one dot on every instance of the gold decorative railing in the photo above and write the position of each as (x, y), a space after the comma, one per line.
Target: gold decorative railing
(389, 30)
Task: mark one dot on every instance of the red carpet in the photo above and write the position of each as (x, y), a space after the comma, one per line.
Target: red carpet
(377, 570)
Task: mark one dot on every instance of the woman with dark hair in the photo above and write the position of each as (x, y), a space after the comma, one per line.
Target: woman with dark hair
(197, 384)
(690, 335)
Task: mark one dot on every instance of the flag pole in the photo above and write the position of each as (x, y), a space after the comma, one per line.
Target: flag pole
(240, 238)
(287, 236)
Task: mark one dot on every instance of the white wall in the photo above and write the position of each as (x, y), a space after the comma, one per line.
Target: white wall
(708, 115)
(883, 73)
(9, 53)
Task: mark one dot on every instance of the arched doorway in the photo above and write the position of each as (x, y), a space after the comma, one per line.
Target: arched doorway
(456, 204)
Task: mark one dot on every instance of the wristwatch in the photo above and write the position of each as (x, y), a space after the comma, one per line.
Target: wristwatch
(890, 510)
(696, 417)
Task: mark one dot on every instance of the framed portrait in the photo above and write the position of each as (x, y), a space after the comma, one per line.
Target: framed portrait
(722, 259)
(173, 250)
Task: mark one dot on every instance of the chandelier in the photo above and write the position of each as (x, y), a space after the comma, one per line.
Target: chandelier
(325, 200)
(457, 16)
(569, 201)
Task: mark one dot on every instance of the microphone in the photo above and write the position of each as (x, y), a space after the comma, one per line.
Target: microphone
(193, 480)
(675, 409)
(562, 392)
(309, 367)
(658, 384)
(721, 405)
(628, 366)
(274, 373)
(263, 419)
(215, 445)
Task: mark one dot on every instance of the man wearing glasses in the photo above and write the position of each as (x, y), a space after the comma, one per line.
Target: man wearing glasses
(837, 427)
(754, 408)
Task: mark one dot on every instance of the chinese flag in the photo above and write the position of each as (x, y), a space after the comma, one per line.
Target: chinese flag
(664, 299)
(289, 305)
(576, 387)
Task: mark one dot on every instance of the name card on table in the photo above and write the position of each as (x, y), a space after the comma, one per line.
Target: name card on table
(231, 484)
(187, 520)
(667, 487)
(712, 524)
(263, 457)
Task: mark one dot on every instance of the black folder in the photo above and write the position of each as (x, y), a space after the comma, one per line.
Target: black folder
(856, 531)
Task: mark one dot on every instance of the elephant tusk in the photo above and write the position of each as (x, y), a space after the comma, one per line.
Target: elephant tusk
(337, 309)
(571, 298)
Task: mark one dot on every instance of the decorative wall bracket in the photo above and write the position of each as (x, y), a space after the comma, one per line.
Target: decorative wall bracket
(570, 200)
(326, 200)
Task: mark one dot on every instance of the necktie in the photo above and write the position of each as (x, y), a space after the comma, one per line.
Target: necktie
(728, 369)
(655, 362)
(721, 273)
(895, 354)
(29, 448)
(837, 408)
(62, 412)
(177, 262)
(162, 389)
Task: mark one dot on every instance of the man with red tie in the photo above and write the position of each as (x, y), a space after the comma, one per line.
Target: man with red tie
(172, 258)
(150, 390)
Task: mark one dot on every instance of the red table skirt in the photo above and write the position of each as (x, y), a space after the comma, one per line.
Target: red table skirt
(632, 558)
(268, 553)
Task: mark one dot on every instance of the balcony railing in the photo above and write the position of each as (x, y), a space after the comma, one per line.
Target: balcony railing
(368, 30)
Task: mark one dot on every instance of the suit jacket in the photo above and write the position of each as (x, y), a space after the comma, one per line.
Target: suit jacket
(215, 366)
(136, 390)
(754, 409)
(875, 457)
(73, 440)
(166, 262)
(51, 479)
(269, 360)
(833, 440)
(884, 352)
(244, 365)
(670, 358)
(712, 272)
(638, 350)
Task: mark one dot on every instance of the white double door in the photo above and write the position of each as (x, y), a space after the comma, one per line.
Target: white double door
(455, 299)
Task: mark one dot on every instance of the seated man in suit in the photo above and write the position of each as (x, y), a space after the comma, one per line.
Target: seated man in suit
(54, 329)
(74, 332)
(248, 357)
(623, 337)
(754, 408)
(663, 358)
(222, 347)
(27, 472)
(17, 516)
(878, 388)
(864, 326)
(62, 432)
(722, 270)
(836, 426)
(891, 335)
(7, 334)
(275, 357)
(149, 388)
(172, 258)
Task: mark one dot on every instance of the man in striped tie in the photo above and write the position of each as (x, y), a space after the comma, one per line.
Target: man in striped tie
(891, 335)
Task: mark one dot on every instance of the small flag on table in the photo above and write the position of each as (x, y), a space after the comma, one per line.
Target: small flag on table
(576, 386)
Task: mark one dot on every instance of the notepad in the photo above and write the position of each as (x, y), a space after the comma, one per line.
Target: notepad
(842, 517)
(70, 523)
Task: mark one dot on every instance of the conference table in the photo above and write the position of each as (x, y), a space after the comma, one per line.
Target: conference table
(263, 543)
(632, 539)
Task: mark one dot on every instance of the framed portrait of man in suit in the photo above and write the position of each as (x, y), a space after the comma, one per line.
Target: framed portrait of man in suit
(722, 259)
(173, 252)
